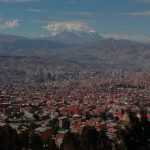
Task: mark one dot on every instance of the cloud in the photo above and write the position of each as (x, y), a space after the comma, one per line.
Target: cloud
(70, 1)
(142, 1)
(84, 13)
(1, 16)
(37, 10)
(55, 28)
(18, 1)
(10, 24)
(136, 38)
(76, 1)
(145, 1)
(80, 13)
(39, 21)
(142, 13)
(56, 17)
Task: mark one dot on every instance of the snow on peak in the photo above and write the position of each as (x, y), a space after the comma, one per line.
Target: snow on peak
(74, 27)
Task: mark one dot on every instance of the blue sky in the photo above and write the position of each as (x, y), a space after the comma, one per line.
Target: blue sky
(34, 18)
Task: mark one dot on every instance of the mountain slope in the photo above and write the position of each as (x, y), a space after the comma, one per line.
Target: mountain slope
(75, 37)
(15, 45)
(105, 52)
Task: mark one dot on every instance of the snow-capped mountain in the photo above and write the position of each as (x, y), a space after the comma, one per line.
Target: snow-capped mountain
(78, 37)
(71, 33)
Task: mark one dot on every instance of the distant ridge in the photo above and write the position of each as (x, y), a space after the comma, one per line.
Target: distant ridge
(105, 51)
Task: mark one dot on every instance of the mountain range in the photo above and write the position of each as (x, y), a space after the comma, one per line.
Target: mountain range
(85, 48)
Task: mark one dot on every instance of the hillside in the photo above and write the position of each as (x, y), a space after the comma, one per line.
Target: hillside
(105, 52)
